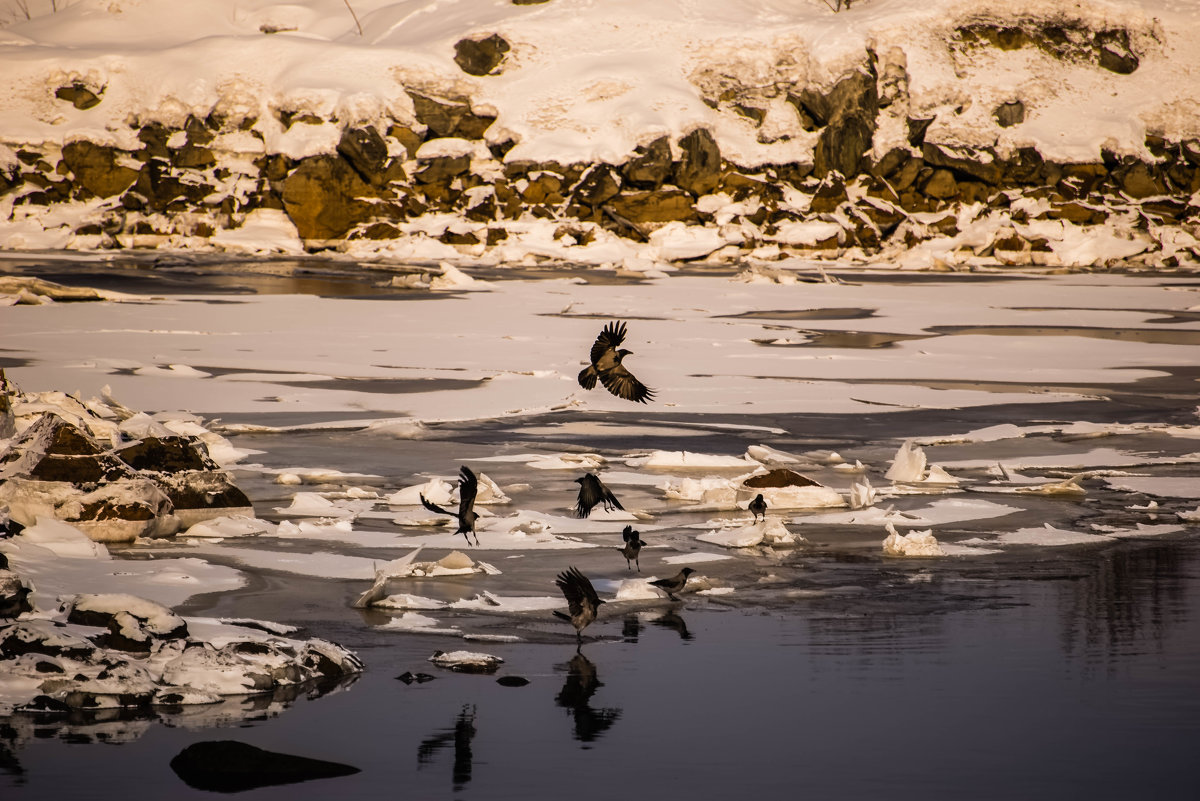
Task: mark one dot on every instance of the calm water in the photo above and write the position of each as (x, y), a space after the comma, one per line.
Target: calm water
(832, 673)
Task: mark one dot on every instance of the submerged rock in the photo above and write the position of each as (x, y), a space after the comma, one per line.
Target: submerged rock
(229, 766)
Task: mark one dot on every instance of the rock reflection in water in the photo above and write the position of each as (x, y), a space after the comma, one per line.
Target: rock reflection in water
(459, 735)
(127, 724)
(1125, 603)
(577, 691)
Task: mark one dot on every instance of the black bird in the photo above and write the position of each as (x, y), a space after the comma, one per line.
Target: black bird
(674, 584)
(468, 487)
(582, 601)
(759, 507)
(606, 357)
(633, 546)
(591, 492)
(577, 691)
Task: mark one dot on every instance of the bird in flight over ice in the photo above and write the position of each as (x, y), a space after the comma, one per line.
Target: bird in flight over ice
(468, 487)
(606, 364)
(582, 601)
(633, 546)
(591, 492)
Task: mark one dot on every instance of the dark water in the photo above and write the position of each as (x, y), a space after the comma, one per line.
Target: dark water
(832, 673)
(1081, 680)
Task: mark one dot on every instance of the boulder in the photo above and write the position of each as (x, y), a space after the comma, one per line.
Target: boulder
(199, 495)
(449, 118)
(14, 594)
(978, 163)
(699, 168)
(325, 198)
(480, 56)
(1114, 54)
(167, 454)
(598, 185)
(1009, 114)
(849, 111)
(366, 151)
(665, 205)
(79, 96)
(650, 166)
(95, 168)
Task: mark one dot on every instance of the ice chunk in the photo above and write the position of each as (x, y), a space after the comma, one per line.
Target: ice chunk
(230, 526)
(466, 661)
(908, 465)
(915, 543)
(862, 494)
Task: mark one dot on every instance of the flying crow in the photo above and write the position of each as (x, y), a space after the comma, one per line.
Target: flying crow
(606, 365)
(674, 584)
(759, 507)
(468, 487)
(582, 601)
(591, 492)
(633, 546)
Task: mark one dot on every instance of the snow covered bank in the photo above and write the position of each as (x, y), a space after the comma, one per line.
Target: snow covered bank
(928, 133)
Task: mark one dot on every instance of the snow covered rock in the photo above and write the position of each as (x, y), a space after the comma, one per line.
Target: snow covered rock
(466, 661)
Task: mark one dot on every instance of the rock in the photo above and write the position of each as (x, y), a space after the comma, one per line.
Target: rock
(167, 454)
(1077, 213)
(480, 56)
(651, 167)
(449, 118)
(79, 96)
(512, 681)
(779, 477)
(917, 127)
(199, 495)
(366, 151)
(1114, 53)
(1009, 114)
(43, 637)
(699, 168)
(442, 169)
(324, 197)
(598, 185)
(665, 205)
(133, 623)
(979, 163)
(850, 110)
(14, 594)
(830, 194)
(95, 168)
(1139, 180)
(940, 185)
(228, 766)
(193, 157)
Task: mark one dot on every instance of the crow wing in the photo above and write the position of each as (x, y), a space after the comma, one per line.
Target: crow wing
(577, 590)
(433, 507)
(591, 492)
(629, 535)
(610, 339)
(623, 384)
(468, 488)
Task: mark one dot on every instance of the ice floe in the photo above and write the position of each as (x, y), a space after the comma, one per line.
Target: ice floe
(770, 532)
(914, 543)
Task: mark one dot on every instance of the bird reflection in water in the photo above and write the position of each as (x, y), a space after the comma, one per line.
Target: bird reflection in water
(671, 620)
(581, 684)
(631, 627)
(460, 736)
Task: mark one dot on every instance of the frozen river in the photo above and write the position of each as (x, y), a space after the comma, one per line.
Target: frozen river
(1053, 648)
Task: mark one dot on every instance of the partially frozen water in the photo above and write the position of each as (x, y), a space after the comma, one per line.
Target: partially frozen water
(1054, 649)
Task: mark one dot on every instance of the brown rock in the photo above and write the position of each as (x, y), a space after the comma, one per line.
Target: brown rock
(366, 151)
(651, 166)
(699, 168)
(325, 198)
(779, 478)
(79, 96)
(1009, 114)
(598, 185)
(940, 185)
(96, 170)
(449, 118)
(480, 56)
(167, 455)
(980, 163)
(665, 205)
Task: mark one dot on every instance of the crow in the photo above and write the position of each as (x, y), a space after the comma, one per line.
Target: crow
(606, 365)
(633, 545)
(468, 487)
(759, 507)
(674, 584)
(582, 601)
(591, 492)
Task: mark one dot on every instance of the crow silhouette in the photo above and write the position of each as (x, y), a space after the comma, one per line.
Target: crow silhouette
(674, 584)
(606, 358)
(468, 487)
(591, 492)
(582, 601)
(633, 546)
(758, 506)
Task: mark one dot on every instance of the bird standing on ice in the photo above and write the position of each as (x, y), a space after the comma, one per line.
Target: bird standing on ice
(758, 506)
(633, 546)
(468, 488)
(674, 584)
(591, 492)
(606, 358)
(582, 601)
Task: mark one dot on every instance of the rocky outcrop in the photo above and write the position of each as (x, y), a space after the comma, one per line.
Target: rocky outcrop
(443, 174)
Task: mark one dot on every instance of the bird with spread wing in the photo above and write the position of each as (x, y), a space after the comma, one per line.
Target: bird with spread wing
(607, 365)
(468, 488)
